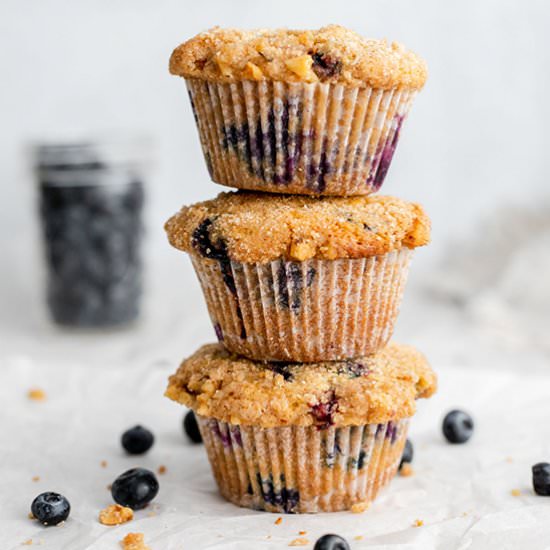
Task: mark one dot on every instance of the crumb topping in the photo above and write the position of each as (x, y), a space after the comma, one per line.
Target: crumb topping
(299, 542)
(134, 541)
(115, 515)
(36, 394)
(218, 384)
(359, 507)
(330, 54)
(258, 228)
(406, 470)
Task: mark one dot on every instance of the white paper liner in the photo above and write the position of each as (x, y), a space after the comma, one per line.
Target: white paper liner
(295, 469)
(316, 310)
(303, 138)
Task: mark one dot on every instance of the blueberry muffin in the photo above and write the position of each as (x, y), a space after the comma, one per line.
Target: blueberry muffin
(314, 112)
(298, 278)
(300, 438)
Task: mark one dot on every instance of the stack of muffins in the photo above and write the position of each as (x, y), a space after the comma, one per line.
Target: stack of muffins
(303, 404)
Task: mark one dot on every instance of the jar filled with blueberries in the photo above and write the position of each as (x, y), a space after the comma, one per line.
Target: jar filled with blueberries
(91, 203)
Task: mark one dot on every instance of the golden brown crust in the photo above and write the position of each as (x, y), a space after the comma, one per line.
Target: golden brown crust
(258, 228)
(373, 389)
(329, 54)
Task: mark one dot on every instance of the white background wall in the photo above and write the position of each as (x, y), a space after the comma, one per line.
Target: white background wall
(476, 137)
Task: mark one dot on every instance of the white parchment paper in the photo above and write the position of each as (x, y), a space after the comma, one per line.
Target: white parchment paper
(462, 494)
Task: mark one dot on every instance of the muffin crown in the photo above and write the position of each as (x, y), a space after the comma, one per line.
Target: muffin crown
(374, 389)
(258, 228)
(330, 54)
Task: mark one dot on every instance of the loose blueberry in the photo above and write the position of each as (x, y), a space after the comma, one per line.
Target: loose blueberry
(331, 542)
(458, 426)
(192, 428)
(50, 508)
(137, 440)
(408, 454)
(135, 488)
(541, 479)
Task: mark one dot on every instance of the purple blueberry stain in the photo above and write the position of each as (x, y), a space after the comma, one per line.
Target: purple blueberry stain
(325, 66)
(259, 147)
(279, 367)
(203, 244)
(361, 459)
(193, 108)
(331, 453)
(324, 411)
(353, 369)
(383, 158)
(391, 432)
(224, 438)
(290, 280)
(219, 332)
(285, 498)
(236, 435)
(316, 173)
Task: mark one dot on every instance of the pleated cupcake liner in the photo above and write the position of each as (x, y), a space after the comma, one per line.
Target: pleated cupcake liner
(301, 138)
(315, 310)
(296, 469)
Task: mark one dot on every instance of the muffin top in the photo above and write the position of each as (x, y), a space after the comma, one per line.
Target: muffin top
(330, 54)
(259, 228)
(373, 389)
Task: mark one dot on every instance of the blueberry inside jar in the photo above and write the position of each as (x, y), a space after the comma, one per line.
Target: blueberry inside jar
(91, 204)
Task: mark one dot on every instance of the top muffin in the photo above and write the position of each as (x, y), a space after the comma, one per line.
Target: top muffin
(330, 54)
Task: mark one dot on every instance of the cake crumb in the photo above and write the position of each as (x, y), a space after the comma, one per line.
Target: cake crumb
(134, 541)
(36, 394)
(162, 470)
(299, 542)
(278, 521)
(418, 523)
(115, 515)
(359, 507)
(358, 537)
(302, 532)
(103, 464)
(515, 492)
(30, 515)
(509, 459)
(28, 542)
(36, 478)
(406, 470)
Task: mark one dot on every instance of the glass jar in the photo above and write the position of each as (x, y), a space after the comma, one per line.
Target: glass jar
(91, 205)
